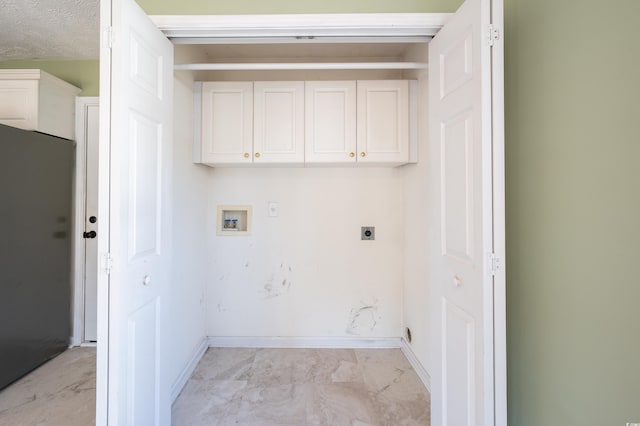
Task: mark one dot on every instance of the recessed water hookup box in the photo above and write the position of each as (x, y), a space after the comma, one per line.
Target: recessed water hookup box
(233, 220)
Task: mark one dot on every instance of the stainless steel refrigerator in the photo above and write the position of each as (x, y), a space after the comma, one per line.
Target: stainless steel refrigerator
(36, 173)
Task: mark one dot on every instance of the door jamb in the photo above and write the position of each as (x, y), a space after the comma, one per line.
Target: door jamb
(79, 212)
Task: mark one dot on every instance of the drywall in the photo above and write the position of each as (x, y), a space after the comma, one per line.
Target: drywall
(573, 185)
(189, 242)
(188, 7)
(416, 232)
(306, 272)
(82, 74)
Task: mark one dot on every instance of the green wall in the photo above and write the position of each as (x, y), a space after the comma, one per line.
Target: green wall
(82, 74)
(573, 212)
(239, 7)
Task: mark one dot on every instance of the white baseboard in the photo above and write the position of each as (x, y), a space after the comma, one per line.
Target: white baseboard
(417, 365)
(188, 370)
(305, 342)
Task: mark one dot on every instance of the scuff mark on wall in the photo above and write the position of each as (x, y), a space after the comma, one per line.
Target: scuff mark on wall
(278, 284)
(221, 308)
(364, 318)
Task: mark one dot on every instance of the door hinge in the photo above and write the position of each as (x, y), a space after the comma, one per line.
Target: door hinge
(495, 264)
(107, 37)
(493, 35)
(108, 263)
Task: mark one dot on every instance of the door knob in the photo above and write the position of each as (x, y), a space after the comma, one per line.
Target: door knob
(457, 281)
(90, 234)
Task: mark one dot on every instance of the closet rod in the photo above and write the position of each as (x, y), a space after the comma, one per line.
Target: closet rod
(303, 66)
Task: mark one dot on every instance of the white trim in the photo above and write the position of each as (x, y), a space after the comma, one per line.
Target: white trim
(305, 342)
(416, 364)
(78, 249)
(414, 120)
(301, 66)
(188, 370)
(301, 40)
(302, 25)
(499, 221)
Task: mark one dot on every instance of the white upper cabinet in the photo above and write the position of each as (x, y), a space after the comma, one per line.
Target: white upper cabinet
(330, 120)
(383, 121)
(297, 122)
(227, 123)
(278, 122)
(35, 100)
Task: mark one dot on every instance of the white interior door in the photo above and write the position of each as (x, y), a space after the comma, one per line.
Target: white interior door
(138, 101)
(90, 218)
(461, 280)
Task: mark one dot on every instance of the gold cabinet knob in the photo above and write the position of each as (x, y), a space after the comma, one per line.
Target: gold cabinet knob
(246, 155)
(363, 154)
(257, 155)
(352, 154)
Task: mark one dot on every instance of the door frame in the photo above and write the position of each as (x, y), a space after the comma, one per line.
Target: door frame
(79, 212)
(340, 28)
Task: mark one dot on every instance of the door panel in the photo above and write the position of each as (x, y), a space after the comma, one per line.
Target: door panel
(142, 361)
(278, 122)
(456, 188)
(227, 122)
(461, 284)
(330, 121)
(383, 121)
(145, 185)
(91, 209)
(140, 113)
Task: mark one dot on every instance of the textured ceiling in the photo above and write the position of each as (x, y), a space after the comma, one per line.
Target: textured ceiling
(49, 29)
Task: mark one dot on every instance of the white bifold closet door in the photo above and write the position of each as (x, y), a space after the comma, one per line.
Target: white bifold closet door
(137, 97)
(460, 186)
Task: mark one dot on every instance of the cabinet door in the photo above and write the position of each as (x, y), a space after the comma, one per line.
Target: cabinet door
(19, 103)
(227, 128)
(330, 122)
(383, 121)
(278, 122)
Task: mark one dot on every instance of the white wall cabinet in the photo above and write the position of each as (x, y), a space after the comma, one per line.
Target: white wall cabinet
(365, 122)
(227, 123)
(278, 122)
(35, 100)
(383, 121)
(330, 122)
(296, 122)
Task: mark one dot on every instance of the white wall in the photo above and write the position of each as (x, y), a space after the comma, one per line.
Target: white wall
(306, 272)
(189, 274)
(415, 295)
(416, 217)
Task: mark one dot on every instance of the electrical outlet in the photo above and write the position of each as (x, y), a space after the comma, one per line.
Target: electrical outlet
(368, 233)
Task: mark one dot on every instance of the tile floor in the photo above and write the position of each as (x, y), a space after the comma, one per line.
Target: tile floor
(61, 392)
(303, 387)
(242, 387)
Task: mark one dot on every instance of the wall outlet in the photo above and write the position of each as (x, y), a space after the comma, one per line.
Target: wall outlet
(368, 233)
